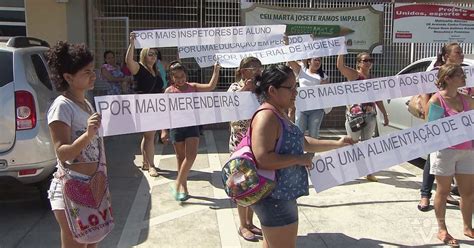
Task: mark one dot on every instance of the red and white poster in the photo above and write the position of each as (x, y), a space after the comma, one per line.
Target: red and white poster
(433, 23)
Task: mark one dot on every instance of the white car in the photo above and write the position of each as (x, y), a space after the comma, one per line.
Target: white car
(26, 92)
(397, 109)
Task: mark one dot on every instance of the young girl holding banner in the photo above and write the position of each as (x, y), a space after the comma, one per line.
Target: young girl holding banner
(249, 68)
(185, 140)
(73, 125)
(364, 65)
(454, 161)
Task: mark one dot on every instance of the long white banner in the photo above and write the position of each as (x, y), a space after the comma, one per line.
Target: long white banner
(318, 48)
(345, 164)
(206, 54)
(207, 36)
(370, 90)
(123, 114)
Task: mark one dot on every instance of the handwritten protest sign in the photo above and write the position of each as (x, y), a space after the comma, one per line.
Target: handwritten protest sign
(124, 114)
(370, 90)
(345, 164)
(318, 48)
(207, 36)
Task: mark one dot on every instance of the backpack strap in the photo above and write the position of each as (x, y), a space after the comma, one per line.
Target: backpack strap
(283, 125)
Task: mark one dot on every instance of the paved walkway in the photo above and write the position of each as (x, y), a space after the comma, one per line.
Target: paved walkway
(357, 214)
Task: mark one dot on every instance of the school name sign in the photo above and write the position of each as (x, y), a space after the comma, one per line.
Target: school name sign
(370, 90)
(123, 114)
(348, 163)
(317, 48)
(206, 36)
(362, 26)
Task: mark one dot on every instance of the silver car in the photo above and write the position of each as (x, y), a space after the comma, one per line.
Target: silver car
(397, 108)
(26, 92)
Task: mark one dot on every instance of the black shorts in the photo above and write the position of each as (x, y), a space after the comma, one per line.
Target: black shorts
(180, 134)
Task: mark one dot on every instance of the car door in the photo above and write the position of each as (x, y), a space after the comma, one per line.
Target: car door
(399, 117)
(7, 102)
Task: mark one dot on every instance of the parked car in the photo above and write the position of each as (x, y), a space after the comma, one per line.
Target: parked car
(26, 92)
(397, 108)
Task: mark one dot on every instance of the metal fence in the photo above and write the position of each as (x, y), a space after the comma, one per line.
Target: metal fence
(110, 17)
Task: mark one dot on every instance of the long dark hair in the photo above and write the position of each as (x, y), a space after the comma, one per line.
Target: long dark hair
(274, 75)
(320, 70)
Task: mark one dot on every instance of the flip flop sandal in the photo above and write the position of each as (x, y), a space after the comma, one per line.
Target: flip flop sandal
(144, 168)
(255, 230)
(450, 241)
(153, 172)
(248, 235)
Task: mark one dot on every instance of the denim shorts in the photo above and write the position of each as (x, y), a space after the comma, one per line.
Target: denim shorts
(274, 213)
(180, 134)
(55, 192)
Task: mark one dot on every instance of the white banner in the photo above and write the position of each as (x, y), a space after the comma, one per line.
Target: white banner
(123, 114)
(432, 22)
(206, 55)
(207, 36)
(371, 90)
(345, 164)
(208, 50)
(318, 48)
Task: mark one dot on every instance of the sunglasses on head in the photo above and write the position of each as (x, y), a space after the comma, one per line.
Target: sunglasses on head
(368, 60)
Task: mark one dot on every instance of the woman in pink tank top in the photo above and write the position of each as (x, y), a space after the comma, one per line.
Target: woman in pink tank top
(185, 140)
(458, 160)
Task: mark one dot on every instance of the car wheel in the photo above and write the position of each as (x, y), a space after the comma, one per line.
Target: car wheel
(43, 188)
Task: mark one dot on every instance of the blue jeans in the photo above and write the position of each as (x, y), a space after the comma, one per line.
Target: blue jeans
(428, 180)
(310, 120)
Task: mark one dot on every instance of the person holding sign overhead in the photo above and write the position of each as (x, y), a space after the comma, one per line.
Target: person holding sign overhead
(148, 82)
(185, 140)
(309, 73)
(278, 212)
(249, 68)
(454, 161)
(361, 119)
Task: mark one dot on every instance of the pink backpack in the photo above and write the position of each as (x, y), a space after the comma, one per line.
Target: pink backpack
(243, 182)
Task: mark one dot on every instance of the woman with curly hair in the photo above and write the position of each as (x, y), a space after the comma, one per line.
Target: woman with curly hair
(73, 125)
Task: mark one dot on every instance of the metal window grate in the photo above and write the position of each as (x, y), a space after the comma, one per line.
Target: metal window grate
(153, 14)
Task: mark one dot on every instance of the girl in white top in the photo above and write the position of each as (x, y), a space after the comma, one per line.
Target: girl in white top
(309, 73)
(72, 124)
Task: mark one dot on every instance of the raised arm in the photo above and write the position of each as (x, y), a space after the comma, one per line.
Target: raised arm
(212, 83)
(292, 64)
(384, 112)
(132, 65)
(346, 71)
